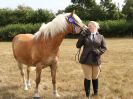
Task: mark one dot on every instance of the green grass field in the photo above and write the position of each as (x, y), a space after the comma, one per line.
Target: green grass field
(116, 78)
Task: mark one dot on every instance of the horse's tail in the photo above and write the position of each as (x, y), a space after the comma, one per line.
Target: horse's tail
(13, 47)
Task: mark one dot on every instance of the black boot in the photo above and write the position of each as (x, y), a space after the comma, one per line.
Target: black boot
(87, 87)
(95, 86)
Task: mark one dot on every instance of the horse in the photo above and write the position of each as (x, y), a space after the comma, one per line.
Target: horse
(41, 49)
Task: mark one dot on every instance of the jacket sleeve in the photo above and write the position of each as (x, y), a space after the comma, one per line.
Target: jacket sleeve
(80, 41)
(103, 47)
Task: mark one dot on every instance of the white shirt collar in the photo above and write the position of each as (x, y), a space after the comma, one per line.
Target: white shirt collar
(94, 33)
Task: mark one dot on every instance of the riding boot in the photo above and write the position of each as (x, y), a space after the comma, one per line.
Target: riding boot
(87, 87)
(95, 86)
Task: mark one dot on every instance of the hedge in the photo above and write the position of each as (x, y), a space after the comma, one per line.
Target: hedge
(24, 16)
(117, 28)
(9, 31)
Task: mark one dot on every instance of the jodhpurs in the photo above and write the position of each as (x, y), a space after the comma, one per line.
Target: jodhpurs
(90, 72)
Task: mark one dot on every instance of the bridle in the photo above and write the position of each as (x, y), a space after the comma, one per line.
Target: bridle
(74, 23)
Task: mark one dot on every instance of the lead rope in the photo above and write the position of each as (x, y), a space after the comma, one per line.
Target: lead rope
(77, 55)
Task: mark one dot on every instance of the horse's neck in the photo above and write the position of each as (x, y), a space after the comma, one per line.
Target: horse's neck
(51, 43)
(58, 38)
(56, 41)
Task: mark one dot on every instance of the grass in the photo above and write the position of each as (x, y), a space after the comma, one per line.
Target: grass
(116, 78)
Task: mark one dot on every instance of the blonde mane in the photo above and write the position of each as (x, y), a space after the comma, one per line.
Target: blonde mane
(57, 25)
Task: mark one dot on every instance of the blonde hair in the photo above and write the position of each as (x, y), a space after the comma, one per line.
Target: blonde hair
(95, 23)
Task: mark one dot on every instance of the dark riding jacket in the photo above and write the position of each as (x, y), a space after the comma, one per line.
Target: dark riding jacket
(92, 50)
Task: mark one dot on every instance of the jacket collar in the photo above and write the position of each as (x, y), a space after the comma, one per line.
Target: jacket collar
(96, 33)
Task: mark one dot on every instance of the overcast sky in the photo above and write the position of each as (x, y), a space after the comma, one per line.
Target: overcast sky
(53, 5)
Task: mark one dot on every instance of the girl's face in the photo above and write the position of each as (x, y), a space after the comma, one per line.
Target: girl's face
(92, 27)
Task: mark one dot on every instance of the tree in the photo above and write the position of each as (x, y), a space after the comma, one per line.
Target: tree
(24, 7)
(84, 8)
(105, 11)
(24, 14)
(79, 10)
(128, 9)
(85, 3)
(60, 12)
(109, 9)
(5, 16)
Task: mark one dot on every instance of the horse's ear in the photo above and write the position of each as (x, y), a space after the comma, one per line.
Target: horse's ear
(73, 12)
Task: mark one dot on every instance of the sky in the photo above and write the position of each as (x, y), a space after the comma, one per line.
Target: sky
(52, 5)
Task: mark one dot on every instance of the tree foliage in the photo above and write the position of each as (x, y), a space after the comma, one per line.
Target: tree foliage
(128, 9)
(84, 8)
(110, 9)
(106, 10)
(24, 14)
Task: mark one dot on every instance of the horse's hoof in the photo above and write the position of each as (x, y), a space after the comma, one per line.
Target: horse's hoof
(56, 96)
(36, 98)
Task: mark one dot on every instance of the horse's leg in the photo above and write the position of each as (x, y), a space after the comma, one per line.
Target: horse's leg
(53, 74)
(38, 78)
(28, 76)
(23, 75)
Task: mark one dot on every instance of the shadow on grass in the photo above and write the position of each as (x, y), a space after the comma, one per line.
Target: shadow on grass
(10, 92)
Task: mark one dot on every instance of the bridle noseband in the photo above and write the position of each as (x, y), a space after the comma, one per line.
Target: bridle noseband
(72, 21)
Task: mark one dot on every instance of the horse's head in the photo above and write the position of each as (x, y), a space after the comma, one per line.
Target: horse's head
(63, 23)
(75, 22)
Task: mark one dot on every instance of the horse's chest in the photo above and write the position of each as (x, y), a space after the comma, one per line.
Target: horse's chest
(51, 61)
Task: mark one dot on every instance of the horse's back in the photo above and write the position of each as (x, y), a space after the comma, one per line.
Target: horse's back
(22, 45)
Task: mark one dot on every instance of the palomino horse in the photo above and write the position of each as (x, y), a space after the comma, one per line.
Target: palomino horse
(41, 50)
